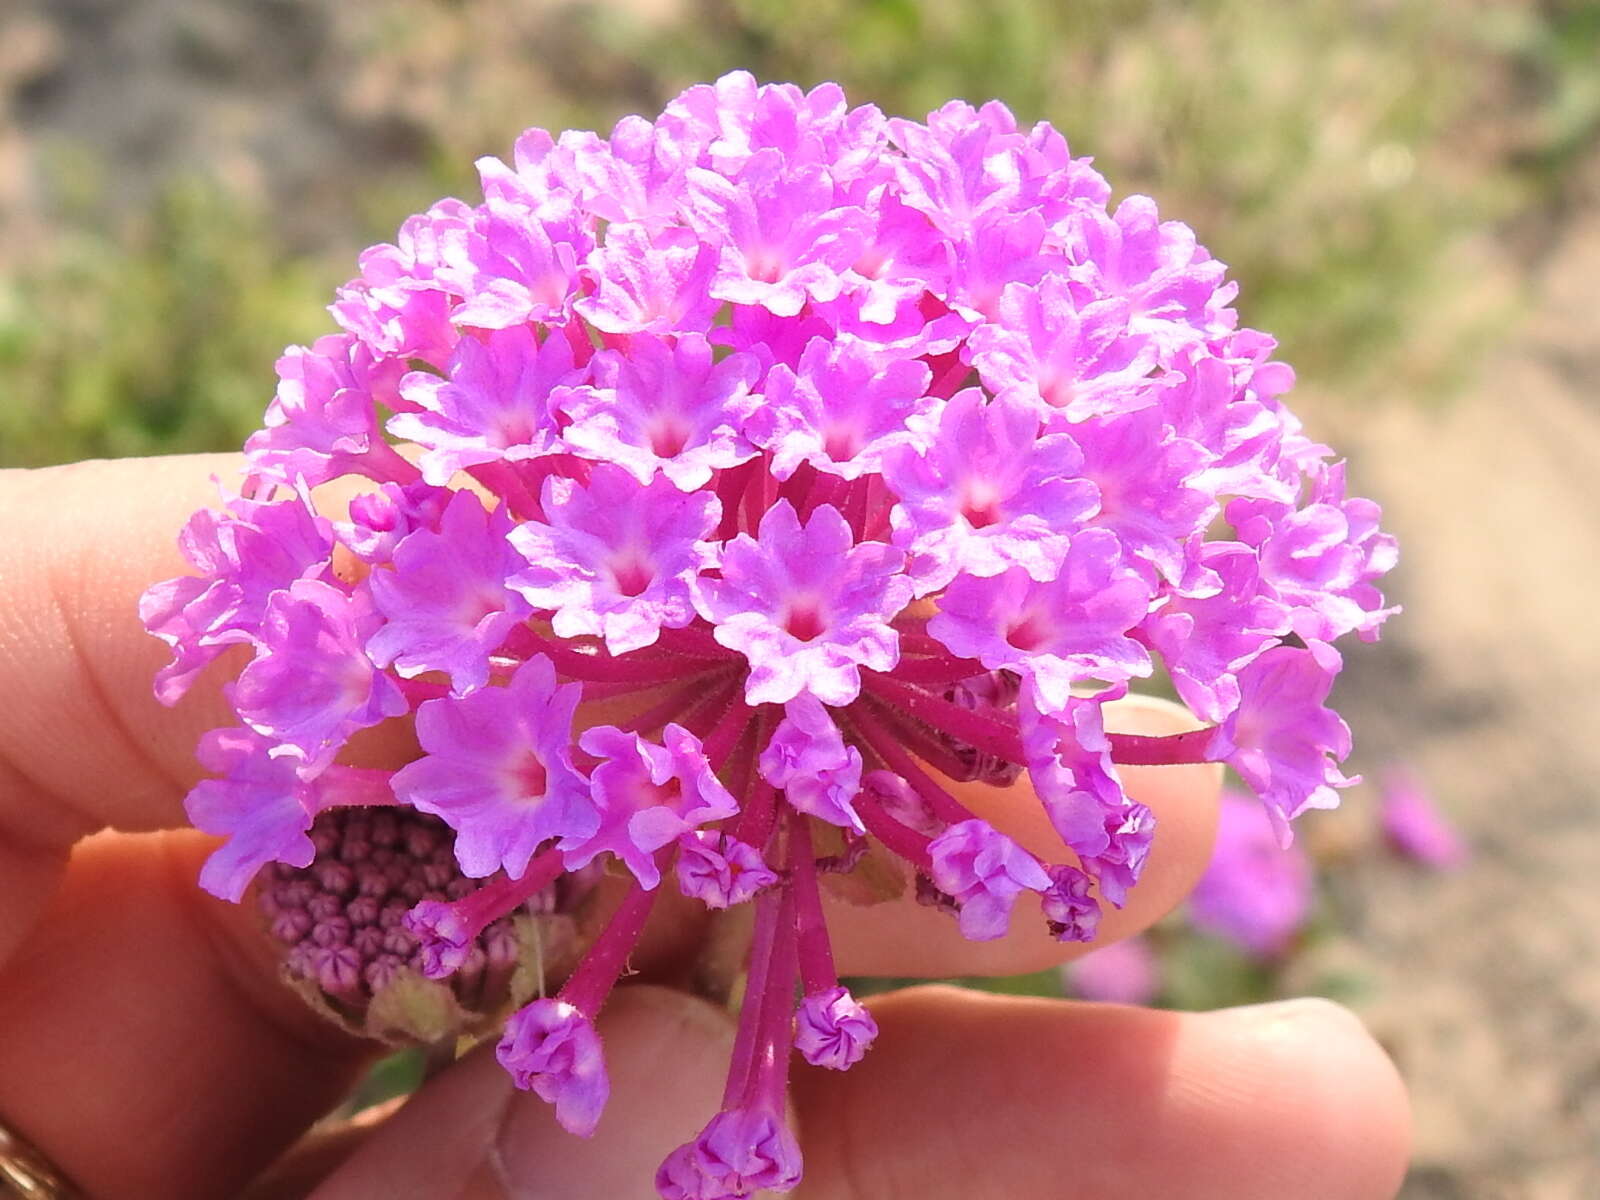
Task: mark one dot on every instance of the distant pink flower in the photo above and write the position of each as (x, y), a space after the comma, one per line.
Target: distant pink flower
(1414, 825)
(1125, 972)
(1254, 893)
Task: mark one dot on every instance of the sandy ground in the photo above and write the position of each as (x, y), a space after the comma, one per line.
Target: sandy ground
(1487, 982)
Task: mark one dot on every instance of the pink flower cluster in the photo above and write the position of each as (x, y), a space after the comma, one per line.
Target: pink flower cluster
(758, 470)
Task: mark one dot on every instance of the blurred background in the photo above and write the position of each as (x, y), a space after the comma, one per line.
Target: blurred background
(1407, 190)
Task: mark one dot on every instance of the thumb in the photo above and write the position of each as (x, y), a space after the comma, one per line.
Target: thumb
(469, 1133)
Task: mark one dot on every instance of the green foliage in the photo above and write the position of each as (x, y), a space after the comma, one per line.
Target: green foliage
(1332, 153)
(1308, 144)
(156, 338)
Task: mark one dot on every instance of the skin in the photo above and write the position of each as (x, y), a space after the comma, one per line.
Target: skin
(147, 1046)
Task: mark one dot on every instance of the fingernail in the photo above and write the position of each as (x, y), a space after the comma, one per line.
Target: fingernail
(1297, 1012)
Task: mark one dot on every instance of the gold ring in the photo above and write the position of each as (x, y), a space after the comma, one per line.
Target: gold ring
(25, 1171)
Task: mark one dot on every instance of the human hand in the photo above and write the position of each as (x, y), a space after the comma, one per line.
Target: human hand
(147, 1046)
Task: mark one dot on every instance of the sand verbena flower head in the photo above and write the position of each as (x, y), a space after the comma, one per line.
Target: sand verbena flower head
(734, 488)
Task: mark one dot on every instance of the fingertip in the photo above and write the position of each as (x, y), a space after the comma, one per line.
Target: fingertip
(1292, 1100)
(1334, 1094)
(904, 938)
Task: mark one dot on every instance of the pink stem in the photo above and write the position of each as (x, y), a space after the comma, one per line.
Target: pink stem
(354, 787)
(503, 481)
(936, 671)
(704, 717)
(695, 640)
(758, 496)
(947, 383)
(592, 982)
(907, 843)
(731, 486)
(879, 504)
(730, 727)
(916, 737)
(794, 488)
(769, 908)
(919, 641)
(1139, 750)
(855, 508)
(417, 690)
(759, 815)
(676, 704)
(975, 727)
(945, 806)
(769, 1067)
(825, 490)
(817, 971)
(501, 896)
(383, 463)
(602, 668)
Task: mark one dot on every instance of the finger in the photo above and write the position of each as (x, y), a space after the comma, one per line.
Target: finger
(973, 1096)
(903, 937)
(470, 1133)
(318, 1154)
(84, 745)
(83, 727)
(145, 1043)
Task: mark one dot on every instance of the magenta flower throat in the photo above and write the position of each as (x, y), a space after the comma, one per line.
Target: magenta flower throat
(731, 492)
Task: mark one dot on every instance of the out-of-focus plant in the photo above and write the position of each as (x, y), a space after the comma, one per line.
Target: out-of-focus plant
(150, 337)
(1317, 139)
(1336, 153)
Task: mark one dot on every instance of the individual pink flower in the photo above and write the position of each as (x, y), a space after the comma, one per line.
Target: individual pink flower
(987, 494)
(246, 554)
(1057, 633)
(1205, 639)
(311, 684)
(553, 1048)
(650, 284)
(983, 871)
(647, 796)
(1282, 739)
(808, 759)
(515, 265)
(264, 806)
(322, 422)
(664, 406)
(497, 767)
(615, 560)
(719, 870)
(843, 409)
(833, 1029)
(494, 405)
(1074, 363)
(781, 242)
(807, 608)
(445, 598)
